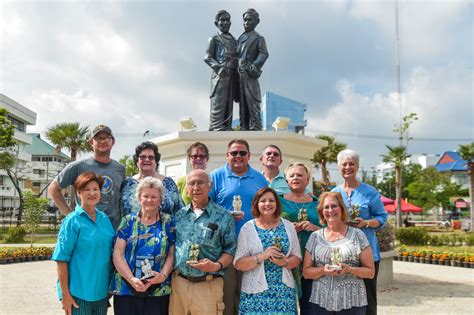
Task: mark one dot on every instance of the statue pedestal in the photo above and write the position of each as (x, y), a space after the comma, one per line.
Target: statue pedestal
(173, 147)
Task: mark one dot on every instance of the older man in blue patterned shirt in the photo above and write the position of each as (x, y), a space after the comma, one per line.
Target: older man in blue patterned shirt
(199, 287)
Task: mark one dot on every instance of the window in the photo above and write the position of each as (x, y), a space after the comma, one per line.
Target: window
(36, 184)
(19, 125)
(35, 158)
(47, 159)
(1, 180)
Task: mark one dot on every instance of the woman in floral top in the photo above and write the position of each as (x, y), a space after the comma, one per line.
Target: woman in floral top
(143, 255)
(146, 158)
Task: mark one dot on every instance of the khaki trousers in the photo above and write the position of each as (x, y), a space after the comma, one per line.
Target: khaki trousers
(196, 298)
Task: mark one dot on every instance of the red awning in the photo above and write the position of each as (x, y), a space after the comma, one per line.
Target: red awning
(406, 207)
(386, 201)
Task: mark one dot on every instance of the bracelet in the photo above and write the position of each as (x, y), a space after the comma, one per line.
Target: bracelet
(163, 274)
(367, 223)
(257, 260)
(286, 264)
(221, 265)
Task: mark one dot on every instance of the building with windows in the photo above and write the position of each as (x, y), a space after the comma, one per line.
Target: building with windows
(46, 163)
(425, 160)
(21, 117)
(453, 164)
(274, 106)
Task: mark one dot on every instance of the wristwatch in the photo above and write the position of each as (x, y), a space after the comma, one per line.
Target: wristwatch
(367, 223)
(257, 260)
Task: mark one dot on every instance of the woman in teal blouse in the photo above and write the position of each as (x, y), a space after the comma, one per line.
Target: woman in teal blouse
(83, 252)
(300, 208)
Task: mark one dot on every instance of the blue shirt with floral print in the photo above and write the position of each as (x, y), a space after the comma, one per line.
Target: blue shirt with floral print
(213, 230)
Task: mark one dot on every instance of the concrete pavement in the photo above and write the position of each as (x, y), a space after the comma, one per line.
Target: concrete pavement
(30, 288)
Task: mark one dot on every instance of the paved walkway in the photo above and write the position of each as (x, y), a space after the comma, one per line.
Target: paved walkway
(30, 288)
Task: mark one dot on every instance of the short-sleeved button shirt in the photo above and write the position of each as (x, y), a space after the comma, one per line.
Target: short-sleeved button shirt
(213, 230)
(87, 248)
(225, 185)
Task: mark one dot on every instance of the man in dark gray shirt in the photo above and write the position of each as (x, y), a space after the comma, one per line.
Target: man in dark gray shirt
(102, 141)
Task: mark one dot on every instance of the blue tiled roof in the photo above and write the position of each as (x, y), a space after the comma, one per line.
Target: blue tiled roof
(458, 165)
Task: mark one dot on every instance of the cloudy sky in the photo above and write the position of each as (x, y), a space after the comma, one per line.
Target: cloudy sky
(139, 66)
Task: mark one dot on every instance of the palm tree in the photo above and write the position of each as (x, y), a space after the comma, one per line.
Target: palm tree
(467, 153)
(327, 155)
(70, 136)
(397, 157)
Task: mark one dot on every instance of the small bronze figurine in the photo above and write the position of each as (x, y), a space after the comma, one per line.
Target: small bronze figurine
(193, 254)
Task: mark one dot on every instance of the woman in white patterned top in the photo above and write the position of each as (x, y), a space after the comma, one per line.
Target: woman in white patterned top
(337, 286)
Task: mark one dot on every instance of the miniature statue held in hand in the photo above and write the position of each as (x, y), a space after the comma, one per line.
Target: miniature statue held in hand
(237, 205)
(277, 242)
(302, 215)
(355, 212)
(193, 254)
(336, 259)
(146, 270)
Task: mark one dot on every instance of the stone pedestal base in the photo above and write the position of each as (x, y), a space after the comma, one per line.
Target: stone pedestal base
(385, 276)
(174, 163)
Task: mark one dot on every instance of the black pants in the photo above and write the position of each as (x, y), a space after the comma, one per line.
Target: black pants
(305, 304)
(371, 288)
(149, 305)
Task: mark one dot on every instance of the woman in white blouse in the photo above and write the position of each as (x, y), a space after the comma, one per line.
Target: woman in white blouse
(337, 285)
(267, 250)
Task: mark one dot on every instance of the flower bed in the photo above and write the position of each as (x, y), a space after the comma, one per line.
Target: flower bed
(23, 254)
(425, 256)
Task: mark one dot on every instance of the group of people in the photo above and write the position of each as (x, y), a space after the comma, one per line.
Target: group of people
(235, 241)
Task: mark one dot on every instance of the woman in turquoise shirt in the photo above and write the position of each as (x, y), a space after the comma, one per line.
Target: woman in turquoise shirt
(83, 252)
(300, 208)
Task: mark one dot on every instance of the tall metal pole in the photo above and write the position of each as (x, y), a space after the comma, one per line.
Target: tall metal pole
(399, 88)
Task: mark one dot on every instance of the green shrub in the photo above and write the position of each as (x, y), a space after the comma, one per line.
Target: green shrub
(434, 240)
(15, 234)
(469, 239)
(412, 236)
(386, 237)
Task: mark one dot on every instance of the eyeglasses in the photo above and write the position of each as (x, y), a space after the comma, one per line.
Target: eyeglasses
(270, 153)
(239, 153)
(196, 183)
(99, 139)
(146, 157)
(198, 156)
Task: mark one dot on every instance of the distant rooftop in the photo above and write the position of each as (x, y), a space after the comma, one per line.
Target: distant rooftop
(41, 147)
(451, 161)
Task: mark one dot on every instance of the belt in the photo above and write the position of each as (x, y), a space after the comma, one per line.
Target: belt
(199, 279)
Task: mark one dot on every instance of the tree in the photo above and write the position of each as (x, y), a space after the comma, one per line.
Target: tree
(34, 208)
(70, 136)
(327, 155)
(467, 153)
(432, 188)
(130, 166)
(397, 156)
(8, 152)
(387, 185)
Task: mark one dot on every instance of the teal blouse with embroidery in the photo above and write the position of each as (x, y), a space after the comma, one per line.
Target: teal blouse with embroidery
(150, 242)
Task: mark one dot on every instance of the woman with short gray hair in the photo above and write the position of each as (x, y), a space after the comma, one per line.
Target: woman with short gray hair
(372, 215)
(143, 255)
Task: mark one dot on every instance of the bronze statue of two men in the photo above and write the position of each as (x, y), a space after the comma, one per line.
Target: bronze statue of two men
(236, 65)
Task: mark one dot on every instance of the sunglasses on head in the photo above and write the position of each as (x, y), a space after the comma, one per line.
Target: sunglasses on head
(239, 153)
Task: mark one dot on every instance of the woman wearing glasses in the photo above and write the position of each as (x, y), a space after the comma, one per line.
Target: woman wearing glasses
(147, 158)
(198, 156)
(337, 258)
(299, 207)
(372, 215)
